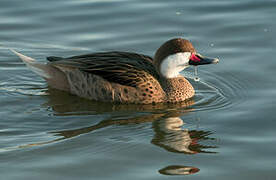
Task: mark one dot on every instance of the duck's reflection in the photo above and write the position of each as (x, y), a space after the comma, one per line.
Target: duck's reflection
(178, 170)
(170, 134)
(168, 127)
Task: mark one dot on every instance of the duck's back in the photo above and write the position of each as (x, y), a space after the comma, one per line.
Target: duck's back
(112, 76)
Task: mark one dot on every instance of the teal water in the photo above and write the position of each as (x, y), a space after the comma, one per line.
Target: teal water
(225, 132)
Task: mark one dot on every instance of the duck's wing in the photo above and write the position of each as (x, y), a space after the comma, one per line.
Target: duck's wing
(125, 68)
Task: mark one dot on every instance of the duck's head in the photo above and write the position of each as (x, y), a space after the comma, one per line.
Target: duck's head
(177, 54)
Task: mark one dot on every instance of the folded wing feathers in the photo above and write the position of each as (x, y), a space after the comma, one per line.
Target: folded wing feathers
(124, 68)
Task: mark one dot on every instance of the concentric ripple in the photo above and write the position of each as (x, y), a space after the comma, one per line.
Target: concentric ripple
(214, 92)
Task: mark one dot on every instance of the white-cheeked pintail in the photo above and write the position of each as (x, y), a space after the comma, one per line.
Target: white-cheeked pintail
(124, 77)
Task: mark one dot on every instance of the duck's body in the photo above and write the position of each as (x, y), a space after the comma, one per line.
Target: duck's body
(119, 76)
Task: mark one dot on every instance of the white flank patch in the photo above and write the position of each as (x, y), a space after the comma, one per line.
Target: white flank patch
(174, 64)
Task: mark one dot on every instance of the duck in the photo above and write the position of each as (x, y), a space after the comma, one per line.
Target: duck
(124, 77)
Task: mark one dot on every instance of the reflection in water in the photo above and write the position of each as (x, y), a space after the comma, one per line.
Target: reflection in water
(75, 132)
(170, 136)
(166, 123)
(179, 170)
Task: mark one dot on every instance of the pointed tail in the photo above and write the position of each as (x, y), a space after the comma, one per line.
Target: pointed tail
(38, 68)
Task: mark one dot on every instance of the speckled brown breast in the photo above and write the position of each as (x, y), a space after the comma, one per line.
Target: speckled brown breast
(177, 89)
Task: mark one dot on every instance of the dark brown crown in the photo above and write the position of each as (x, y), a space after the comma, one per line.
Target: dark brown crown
(170, 47)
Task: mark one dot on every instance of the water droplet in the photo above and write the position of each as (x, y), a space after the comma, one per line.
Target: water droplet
(178, 13)
(211, 44)
(196, 78)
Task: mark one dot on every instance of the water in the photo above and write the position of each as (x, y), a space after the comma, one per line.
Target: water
(225, 132)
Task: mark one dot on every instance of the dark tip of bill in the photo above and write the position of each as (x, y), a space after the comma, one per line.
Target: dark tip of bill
(215, 61)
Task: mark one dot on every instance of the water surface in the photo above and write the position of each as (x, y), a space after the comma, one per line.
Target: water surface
(225, 132)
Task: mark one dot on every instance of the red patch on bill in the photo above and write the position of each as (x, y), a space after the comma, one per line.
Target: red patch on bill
(194, 58)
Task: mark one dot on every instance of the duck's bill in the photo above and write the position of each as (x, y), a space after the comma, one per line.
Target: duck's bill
(197, 59)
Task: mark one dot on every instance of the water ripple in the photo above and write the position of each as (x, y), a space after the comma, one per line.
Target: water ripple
(215, 92)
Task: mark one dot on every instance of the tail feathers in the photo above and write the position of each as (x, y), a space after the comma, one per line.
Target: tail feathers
(38, 68)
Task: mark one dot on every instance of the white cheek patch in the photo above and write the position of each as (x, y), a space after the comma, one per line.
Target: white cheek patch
(174, 64)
